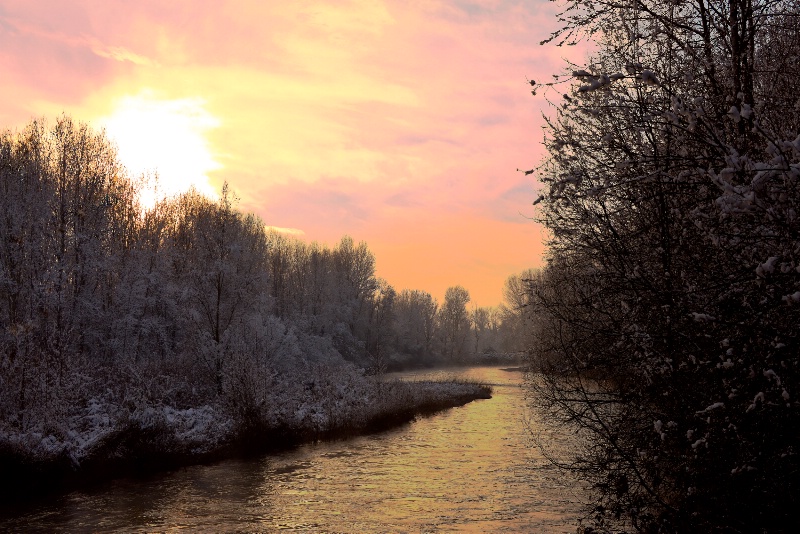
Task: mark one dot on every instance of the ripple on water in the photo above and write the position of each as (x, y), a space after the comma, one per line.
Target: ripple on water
(469, 469)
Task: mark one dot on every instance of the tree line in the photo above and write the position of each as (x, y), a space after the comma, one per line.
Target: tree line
(665, 323)
(188, 301)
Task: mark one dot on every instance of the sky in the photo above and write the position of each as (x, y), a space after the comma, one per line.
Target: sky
(399, 123)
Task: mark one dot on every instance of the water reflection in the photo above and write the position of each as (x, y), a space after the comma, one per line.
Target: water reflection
(470, 469)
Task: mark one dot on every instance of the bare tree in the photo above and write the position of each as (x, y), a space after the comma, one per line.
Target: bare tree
(221, 260)
(665, 316)
(454, 323)
(68, 218)
(381, 327)
(416, 329)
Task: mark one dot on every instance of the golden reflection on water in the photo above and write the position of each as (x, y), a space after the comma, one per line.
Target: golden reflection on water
(469, 469)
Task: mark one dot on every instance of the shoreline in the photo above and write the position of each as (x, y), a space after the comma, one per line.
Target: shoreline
(135, 451)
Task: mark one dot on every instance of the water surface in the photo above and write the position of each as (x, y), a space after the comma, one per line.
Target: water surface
(468, 469)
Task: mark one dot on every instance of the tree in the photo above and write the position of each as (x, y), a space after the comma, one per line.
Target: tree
(68, 217)
(485, 323)
(416, 329)
(454, 323)
(666, 314)
(220, 258)
(176, 328)
(381, 326)
(515, 311)
(353, 283)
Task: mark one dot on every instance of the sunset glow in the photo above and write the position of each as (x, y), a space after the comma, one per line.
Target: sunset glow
(164, 137)
(398, 123)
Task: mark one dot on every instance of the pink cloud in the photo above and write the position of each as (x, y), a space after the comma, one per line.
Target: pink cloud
(401, 123)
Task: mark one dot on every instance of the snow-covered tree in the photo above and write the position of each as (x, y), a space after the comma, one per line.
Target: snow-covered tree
(516, 325)
(68, 218)
(219, 258)
(667, 313)
(454, 325)
(380, 340)
(416, 327)
(127, 332)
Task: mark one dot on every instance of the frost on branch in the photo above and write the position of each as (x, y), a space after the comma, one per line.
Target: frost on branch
(168, 332)
(672, 198)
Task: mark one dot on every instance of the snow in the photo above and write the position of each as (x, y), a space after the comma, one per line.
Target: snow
(772, 375)
(711, 407)
(767, 267)
(792, 299)
(339, 397)
(658, 425)
(758, 398)
(648, 77)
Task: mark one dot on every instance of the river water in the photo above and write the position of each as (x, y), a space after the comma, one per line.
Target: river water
(468, 469)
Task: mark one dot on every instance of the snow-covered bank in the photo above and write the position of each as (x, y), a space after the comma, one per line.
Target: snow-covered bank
(134, 338)
(104, 439)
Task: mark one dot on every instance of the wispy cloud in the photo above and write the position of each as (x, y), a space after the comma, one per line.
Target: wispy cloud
(296, 232)
(89, 42)
(118, 53)
(398, 122)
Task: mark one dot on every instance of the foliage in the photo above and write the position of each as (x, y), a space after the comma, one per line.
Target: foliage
(184, 325)
(666, 317)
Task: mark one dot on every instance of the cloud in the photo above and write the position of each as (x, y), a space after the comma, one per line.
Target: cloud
(296, 232)
(17, 27)
(398, 122)
(118, 53)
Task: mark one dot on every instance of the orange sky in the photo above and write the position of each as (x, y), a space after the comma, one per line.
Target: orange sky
(400, 123)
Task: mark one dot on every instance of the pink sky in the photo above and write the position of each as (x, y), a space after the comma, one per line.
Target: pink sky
(400, 123)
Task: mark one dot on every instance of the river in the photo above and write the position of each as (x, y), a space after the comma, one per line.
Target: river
(468, 469)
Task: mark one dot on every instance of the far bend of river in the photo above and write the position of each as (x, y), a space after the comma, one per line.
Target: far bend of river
(468, 469)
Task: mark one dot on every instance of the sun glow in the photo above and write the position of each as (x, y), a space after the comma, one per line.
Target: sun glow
(165, 139)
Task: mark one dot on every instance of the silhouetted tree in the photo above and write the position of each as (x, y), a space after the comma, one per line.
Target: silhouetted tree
(666, 316)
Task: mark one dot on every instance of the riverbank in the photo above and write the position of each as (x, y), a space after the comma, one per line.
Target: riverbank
(104, 442)
(468, 469)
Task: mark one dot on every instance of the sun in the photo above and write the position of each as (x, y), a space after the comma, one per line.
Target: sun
(164, 138)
